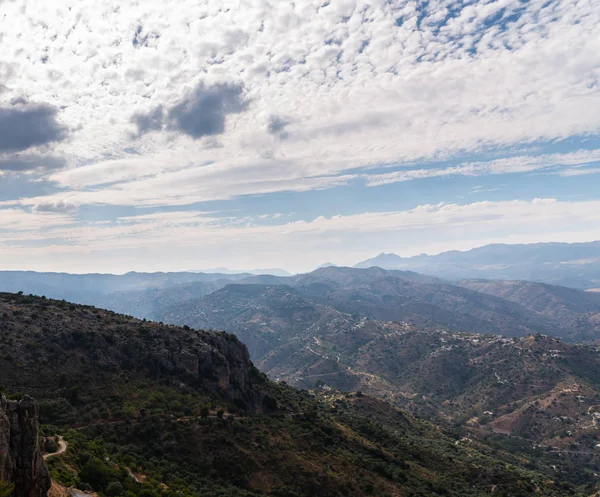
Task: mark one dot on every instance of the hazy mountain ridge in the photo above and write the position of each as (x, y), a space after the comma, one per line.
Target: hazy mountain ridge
(574, 265)
(380, 295)
(86, 288)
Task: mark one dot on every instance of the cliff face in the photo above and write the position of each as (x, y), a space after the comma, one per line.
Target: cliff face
(76, 347)
(21, 461)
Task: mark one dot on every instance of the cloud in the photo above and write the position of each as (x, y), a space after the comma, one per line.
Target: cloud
(199, 113)
(368, 84)
(172, 179)
(24, 125)
(509, 165)
(276, 124)
(30, 162)
(429, 227)
(376, 90)
(150, 121)
(579, 172)
(57, 206)
(18, 223)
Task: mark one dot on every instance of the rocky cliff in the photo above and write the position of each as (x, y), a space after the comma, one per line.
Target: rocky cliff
(21, 462)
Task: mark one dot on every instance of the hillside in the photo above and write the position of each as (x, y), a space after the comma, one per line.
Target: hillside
(574, 265)
(263, 317)
(373, 293)
(572, 309)
(449, 376)
(156, 410)
(418, 299)
(536, 388)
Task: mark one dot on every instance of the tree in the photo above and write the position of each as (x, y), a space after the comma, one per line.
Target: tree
(114, 488)
(6, 489)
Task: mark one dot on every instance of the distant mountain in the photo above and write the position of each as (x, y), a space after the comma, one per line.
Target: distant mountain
(374, 293)
(328, 264)
(262, 316)
(224, 270)
(420, 300)
(574, 265)
(383, 295)
(89, 288)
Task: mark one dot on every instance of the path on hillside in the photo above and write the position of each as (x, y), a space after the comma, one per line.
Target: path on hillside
(62, 448)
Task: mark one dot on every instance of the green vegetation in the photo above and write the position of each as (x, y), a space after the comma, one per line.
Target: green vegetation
(157, 411)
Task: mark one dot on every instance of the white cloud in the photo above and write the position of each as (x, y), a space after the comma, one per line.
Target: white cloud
(179, 240)
(58, 206)
(333, 91)
(519, 164)
(360, 84)
(13, 220)
(579, 172)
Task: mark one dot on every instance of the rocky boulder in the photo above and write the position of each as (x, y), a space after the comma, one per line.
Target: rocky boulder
(21, 461)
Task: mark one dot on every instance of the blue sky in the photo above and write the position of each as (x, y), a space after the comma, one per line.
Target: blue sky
(265, 133)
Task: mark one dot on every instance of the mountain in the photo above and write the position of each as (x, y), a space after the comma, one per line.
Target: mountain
(153, 302)
(224, 270)
(378, 294)
(431, 371)
(89, 288)
(574, 265)
(418, 299)
(572, 309)
(152, 410)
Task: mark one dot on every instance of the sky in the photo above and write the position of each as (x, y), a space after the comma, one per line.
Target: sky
(166, 136)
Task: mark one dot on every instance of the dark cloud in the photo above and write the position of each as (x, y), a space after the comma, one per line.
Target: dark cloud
(58, 206)
(276, 124)
(24, 125)
(152, 121)
(26, 163)
(200, 113)
(203, 112)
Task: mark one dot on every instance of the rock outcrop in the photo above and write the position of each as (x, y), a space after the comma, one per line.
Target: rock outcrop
(21, 462)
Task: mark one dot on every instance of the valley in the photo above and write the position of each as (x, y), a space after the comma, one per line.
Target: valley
(510, 369)
(133, 397)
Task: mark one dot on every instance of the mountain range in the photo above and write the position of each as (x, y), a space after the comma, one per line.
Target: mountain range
(422, 301)
(507, 370)
(574, 265)
(150, 410)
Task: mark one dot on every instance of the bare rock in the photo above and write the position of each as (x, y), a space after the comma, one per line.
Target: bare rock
(21, 460)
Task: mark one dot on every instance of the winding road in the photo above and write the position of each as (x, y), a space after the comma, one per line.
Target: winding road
(62, 448)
